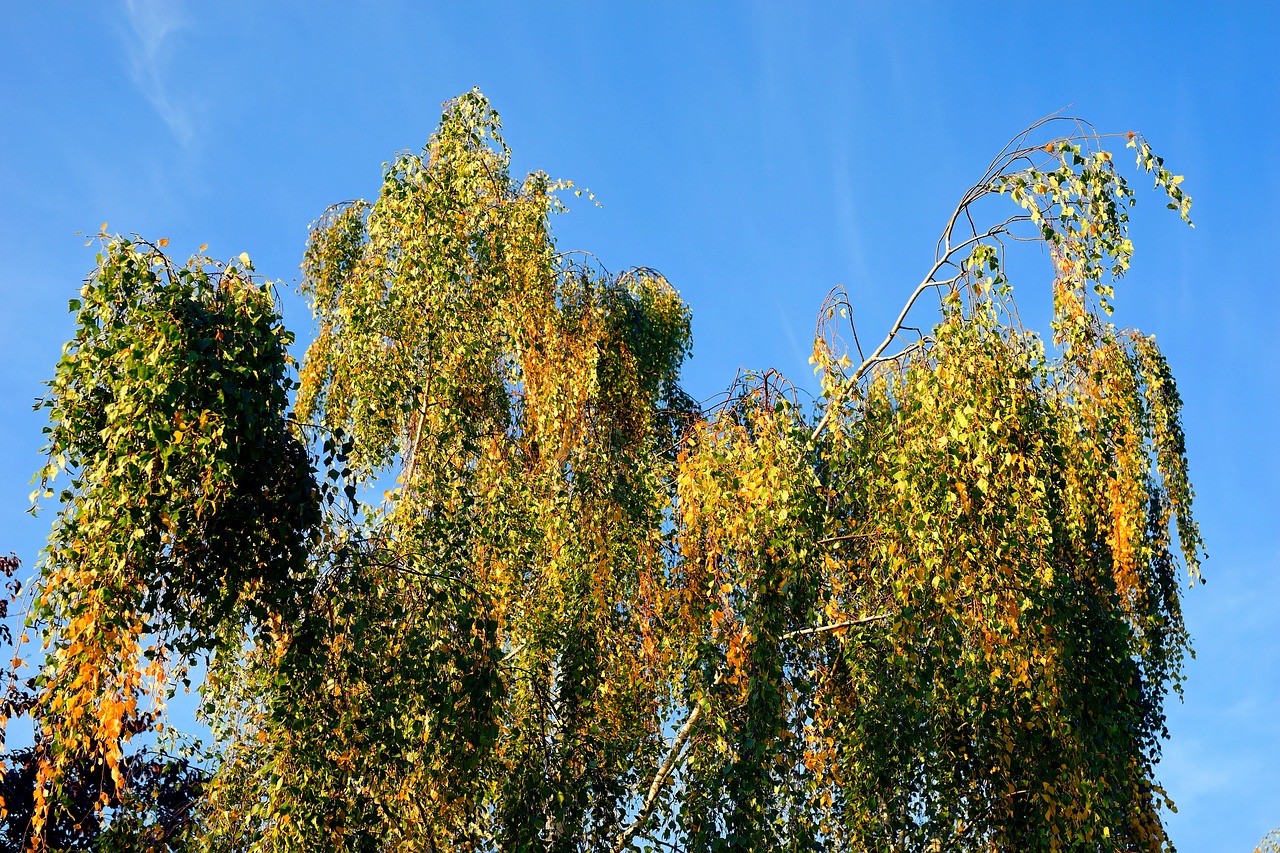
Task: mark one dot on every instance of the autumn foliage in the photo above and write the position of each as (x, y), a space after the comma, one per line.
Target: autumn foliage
(484, 577)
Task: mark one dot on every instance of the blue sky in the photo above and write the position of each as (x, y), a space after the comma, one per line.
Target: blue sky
(757, 154)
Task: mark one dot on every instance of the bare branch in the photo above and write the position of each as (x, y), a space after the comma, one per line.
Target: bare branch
(925, 284)
(848, 537)
(839, 626)
(660, 778)
(682, 736)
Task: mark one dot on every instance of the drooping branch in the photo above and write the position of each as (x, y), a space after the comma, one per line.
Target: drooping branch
(1017, 151)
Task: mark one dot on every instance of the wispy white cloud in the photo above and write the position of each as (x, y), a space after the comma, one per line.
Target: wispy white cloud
(150, 43)
(847, 219)
(793, 340)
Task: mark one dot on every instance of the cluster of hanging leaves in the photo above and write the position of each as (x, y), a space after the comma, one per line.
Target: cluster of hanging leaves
(944, 613)
(187, 506)
(946, 616)
(1005, 509)
(488, 645)
(938, 612)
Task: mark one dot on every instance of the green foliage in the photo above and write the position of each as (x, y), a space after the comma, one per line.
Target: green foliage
(487, 643)
(187, 516)
(941, 612)
(1004, 507)
(168, 410)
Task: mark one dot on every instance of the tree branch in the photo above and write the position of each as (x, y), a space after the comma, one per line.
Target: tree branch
(660, 778)
(682, 736)
(839, 626)
(946, 250)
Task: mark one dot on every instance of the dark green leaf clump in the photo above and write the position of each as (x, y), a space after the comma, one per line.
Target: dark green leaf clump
(190, 505)
(168, 411)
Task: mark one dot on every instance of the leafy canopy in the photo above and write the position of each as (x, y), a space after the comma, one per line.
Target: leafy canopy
(938, 611)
